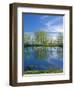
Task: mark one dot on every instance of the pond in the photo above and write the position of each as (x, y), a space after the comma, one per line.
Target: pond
(43, 60)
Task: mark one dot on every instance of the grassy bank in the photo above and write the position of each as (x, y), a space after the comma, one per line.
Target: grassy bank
(42, 71)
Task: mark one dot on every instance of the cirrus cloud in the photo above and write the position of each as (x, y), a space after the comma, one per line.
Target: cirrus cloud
(52, 24)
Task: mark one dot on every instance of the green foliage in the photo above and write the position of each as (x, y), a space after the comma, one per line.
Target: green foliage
(60, 38)
(42, 38)
(42, 71)
(26, 38)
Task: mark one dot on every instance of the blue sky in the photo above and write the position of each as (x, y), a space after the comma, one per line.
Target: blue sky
(37, 22)
(48, 23)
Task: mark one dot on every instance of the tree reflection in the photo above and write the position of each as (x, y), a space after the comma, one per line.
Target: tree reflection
(27, 52)
(43, 58)
(60, 52)
(41, 53)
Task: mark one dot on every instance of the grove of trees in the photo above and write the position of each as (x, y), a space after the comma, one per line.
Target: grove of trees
(42, 38)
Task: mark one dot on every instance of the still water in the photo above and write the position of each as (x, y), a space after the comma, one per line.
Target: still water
(43, 58)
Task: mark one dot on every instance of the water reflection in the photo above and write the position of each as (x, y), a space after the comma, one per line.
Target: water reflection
(43, 58)
(41, 53)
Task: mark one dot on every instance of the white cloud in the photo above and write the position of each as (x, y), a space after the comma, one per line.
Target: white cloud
(52, 21)
(54, 28)
(44, 17)
(53, 25)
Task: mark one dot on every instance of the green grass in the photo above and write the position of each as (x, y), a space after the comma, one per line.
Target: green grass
(42, 71)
